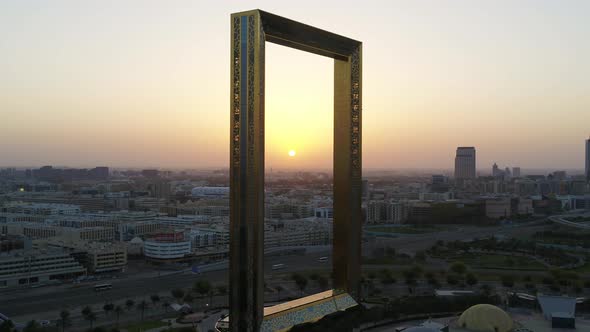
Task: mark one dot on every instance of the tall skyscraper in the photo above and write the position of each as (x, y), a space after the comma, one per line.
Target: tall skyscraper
(495, 170)
(516, 172)
(588, 159)
(465, 163)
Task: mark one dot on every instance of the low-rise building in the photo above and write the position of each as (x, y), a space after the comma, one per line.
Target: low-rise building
(167, 246)
(20, 268)
(96, 257)
(498, 208)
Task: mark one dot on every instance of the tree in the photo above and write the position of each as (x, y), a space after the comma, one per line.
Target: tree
(108, 307)
(300, 281)
(86, 310)
(64, 319)
(420, 256)
(452, 279)
(202, 287)
(32, 326)
(165, 304)
(508, 281)
(509, 261)
(221, 289)
(118, 311)
(323, 282)
(129, 304)
(142, 306)
(470, 279)
(188, 298)
(279, 289)
(458, 267)
(7, 326)
(386, 277)
(486, 289)
(155, 298)
(89, 315)
(177, 293)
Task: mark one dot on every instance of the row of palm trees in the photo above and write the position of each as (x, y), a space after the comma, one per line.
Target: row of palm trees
(91, 316)
(200, 288)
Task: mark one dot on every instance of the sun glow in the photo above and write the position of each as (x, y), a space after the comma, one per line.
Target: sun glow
(292, 153)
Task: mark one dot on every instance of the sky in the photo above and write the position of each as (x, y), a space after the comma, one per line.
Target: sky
(141, 83)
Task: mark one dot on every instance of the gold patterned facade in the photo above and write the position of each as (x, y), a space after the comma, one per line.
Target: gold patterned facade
(250, 31)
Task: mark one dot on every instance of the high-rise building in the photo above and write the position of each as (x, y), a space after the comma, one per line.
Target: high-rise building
(516, 172)
(465, 163)
(588, 159)
(495, 170)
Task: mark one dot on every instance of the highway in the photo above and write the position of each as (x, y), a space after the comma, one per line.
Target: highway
(45, 303)
(562, 221)
(25, 302)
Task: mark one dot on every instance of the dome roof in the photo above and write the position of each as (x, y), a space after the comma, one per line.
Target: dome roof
(421, 329)
(136, 240)
(485, 318)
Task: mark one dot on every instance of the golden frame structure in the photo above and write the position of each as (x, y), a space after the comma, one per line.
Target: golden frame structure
(249, 32)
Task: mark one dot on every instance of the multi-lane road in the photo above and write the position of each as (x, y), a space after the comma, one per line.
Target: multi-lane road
(45, 303)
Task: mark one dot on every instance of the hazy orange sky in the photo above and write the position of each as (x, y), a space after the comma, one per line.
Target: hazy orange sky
(145, 83)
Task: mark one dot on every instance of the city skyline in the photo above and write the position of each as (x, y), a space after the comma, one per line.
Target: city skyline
(143, 85)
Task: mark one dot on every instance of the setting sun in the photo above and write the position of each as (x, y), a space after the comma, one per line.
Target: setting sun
(292, 153)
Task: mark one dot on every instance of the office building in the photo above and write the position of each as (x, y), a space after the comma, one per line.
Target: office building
(495, 170)
(26, 267)
(465, 163)
(516, 172)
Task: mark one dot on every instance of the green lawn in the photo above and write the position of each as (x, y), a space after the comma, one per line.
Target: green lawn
(583, 269)
(387, 261)
(500, 261)
(408, 229)
(146, 325)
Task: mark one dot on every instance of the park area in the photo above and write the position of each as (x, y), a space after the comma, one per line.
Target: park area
(409, 229)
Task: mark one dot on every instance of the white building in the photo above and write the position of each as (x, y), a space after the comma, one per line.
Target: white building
(43, 208)
(202, 237)
(167, 246)
(20, 268)
(210, 192)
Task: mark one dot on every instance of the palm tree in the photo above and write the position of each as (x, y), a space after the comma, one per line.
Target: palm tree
(118, 311)
(323, 282)
(129, 304)
(142, 306)
(165, 304)
(7, 326)
(188, 298)
(89, 315)
(32, 326)
(202, 287)
(222, 290)
(155, 298)
(279, 289)
(64, 317)
(177, 293)
(300, 281)
(108, 307)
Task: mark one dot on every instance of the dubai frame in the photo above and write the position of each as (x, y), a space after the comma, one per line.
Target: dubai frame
(249, 32)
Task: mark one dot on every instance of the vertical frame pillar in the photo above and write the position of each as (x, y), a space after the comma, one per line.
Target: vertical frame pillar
(246, 277)
(347, 173)
(249, 32)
